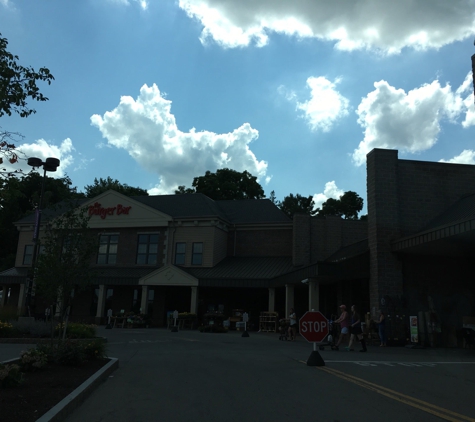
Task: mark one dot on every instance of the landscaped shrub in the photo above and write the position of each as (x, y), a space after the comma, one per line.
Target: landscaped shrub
(95, 349)
(34, 328)
(70, 353)
(10, 375)
(33, 359)
(6, 329)
(78, 330)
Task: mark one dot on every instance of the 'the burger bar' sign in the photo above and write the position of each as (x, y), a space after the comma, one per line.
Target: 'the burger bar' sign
(98, 209)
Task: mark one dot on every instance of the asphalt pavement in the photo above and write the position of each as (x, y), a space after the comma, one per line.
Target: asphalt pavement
(193, 376)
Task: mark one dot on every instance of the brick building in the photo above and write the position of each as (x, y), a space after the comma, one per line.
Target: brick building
(413, 255)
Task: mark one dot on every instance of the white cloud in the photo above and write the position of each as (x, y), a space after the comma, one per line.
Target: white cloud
(387, 26)
(42, 149)
(142, 3)
(467, 156)
(331, 191)
(325, 106)
(146, 129)
(410, 121)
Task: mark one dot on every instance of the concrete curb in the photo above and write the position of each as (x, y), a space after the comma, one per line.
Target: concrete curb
(66, 406)
(44, 340)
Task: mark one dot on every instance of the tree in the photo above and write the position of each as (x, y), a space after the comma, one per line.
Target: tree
(297, 204)
(226, 184)
(65, 262)
(103, 185)
(347, 206)
(18, 197)
(182, 190)
(18, 84)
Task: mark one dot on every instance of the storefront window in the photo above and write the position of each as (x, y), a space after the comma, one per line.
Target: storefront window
(197, 257)
(108, 249)
(147, 249)
(180, 249)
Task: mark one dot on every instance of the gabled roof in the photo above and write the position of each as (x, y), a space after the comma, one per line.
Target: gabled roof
(197, 205)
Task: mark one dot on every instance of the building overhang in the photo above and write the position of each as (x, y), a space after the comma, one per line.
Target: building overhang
(168, 275)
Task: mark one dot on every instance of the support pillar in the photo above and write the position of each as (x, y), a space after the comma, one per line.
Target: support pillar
(313, 295)
(3, 299)
(101, 303)
(21, 299)
(144, 301)
(194, 300)
(271, 307)
(289, 299)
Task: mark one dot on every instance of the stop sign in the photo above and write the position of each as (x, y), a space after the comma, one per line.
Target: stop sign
(313, 326)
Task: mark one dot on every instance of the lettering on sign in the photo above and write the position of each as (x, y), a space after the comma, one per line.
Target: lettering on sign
(98, 209)
(313, 326)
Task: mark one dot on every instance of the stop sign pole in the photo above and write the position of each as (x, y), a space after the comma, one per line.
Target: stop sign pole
(313, 327)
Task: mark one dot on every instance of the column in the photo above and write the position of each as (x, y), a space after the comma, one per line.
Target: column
(271, 307)
(101, 303)
(144, 301)
(289, 299)
(21, 299)
(3, 299)
(313, 295)
(194, 300)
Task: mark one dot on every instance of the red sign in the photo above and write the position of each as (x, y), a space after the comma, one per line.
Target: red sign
(98, 209)
(313, 326)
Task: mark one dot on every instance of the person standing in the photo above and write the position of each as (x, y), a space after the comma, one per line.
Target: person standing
(293, 324)
(382, 329)
(344, 322)
(356, 333)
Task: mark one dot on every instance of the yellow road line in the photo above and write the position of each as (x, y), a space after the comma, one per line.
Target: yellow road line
(446, 414)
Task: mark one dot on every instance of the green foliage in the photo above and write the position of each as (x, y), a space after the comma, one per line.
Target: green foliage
(95, 349)
(65, 263)
(32, 360)
(74, 352)
(6, 330)
(10, 375)
(19, 197)
(76, 330)
(34, 328)
(103, 185)
(18, 83)
(347, 206)
(226, 184)
(297, 204)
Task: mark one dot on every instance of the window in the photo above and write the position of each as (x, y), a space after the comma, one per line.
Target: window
(147, 249)
(197, 256)
(180, 249)
(28, 255)
(108, 249)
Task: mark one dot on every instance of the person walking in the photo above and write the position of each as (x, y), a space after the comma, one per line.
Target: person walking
(356, 333)
(344, 322)
(293, 324)
(382, 329)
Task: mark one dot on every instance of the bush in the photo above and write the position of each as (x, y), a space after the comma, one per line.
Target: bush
(95, 349)
(74, 352)
(10, 375)
(6, 330)
(35, 328)
(33, 359)
(76, 330)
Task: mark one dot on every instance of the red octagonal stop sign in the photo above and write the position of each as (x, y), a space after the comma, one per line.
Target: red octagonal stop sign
(313, 326)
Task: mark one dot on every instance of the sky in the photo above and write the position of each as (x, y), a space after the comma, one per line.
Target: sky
(156, 92)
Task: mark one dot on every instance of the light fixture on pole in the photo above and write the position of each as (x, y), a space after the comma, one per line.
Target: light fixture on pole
(50, 164)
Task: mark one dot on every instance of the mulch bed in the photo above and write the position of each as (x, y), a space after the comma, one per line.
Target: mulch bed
(43, 389)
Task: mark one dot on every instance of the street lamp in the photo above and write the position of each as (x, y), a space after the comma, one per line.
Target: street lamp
(50, 164)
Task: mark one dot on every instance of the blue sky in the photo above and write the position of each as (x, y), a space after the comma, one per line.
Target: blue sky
(156, 92)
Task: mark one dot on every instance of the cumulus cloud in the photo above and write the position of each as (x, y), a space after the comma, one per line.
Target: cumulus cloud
(147, 130)
(331, 191)
(467, 156)
(410, 121)
(142, 3)
(387, 26)
(325, 106)
(42, 149)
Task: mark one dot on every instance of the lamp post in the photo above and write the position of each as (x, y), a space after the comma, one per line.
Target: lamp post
(50, 164)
